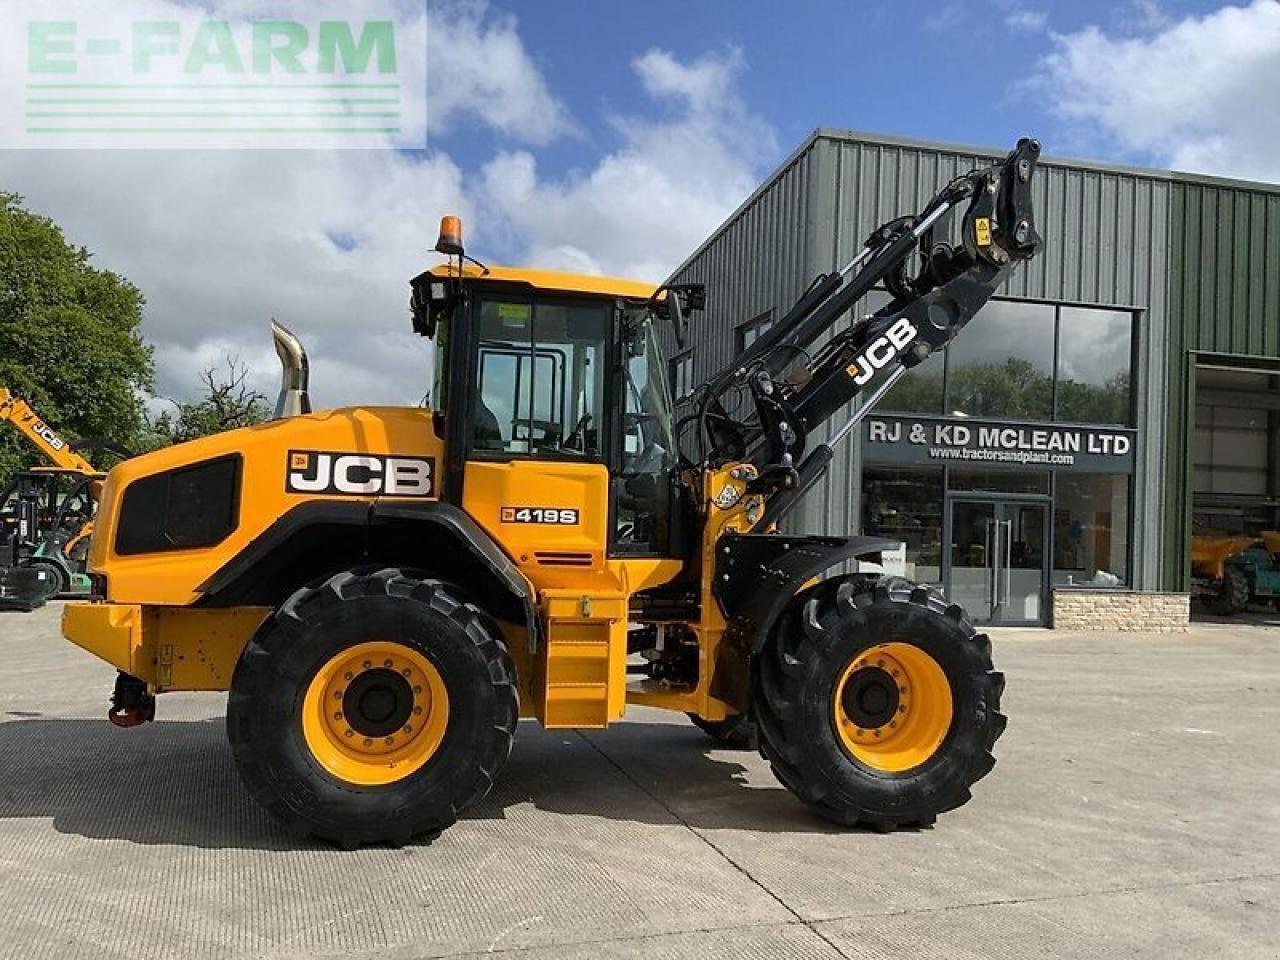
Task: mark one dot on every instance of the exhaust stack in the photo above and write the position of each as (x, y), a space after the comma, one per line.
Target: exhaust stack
(293, 399)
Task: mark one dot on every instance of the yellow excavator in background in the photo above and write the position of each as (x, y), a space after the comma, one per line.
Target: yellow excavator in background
(46, 514)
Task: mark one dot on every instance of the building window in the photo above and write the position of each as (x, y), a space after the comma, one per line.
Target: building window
(905, 503)
(1001, 364)
(1091, 529)
(682, 375)
(919, 390)
(1095, 357)
(1028, 361)
(754, 329)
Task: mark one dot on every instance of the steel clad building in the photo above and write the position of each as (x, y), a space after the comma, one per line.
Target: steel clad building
(1049, 466)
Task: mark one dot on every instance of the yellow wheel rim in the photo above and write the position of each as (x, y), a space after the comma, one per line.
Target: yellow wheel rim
(892, 707)
(375, 713)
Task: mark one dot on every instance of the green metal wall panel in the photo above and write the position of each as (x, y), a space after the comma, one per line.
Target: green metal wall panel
(1224, 298)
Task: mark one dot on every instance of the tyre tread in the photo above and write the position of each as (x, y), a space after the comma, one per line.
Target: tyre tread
(293, 618)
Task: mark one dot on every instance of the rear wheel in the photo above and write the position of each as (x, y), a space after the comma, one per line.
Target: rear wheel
(877, 703)
(1233, 593)
(373, 708)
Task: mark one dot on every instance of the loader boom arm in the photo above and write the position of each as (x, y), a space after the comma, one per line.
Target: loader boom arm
(936, 286)
(27, 422)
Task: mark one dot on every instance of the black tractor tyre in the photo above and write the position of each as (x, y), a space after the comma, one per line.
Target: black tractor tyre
(825, 630)
(733, 733)
(316, 624)
(1233, 593)
(54, 574)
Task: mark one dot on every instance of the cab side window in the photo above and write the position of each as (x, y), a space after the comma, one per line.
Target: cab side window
(539, 385)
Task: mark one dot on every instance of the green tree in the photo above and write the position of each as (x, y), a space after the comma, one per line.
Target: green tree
(70, 339)
(228, 402)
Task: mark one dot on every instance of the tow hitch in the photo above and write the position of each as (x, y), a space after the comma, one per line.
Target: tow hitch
(131, 705)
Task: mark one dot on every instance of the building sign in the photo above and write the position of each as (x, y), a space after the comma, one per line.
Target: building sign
(994, 443)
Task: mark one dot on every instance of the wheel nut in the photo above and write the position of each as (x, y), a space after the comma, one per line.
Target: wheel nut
(368, 664)
(389, 741)
(417, 711)
(417, 689)
(337, 694)
(386, 663)
(406, 671)
(408, 728)
(893, 723)
(368, 742)
(876, 732)
(349, 733)
(902, 709)
(347, 675)
(338, 715)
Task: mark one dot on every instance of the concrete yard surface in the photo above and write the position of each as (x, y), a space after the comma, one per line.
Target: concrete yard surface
(1134, 812)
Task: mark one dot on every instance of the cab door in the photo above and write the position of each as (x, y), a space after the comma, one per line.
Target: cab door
(644, 492)
(537, 432)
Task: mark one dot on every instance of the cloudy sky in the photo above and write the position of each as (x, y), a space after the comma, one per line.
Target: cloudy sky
(613, 137)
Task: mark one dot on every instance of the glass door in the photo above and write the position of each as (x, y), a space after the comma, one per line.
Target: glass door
(971, 578)
(996, 565)
(1022, 572)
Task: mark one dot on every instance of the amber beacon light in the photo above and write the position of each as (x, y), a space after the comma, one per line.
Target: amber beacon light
(450, 242)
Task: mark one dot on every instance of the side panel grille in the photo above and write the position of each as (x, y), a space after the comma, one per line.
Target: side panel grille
(562, 558)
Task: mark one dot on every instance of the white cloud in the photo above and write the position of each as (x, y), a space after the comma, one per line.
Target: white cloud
(221, 241)
(479, 66)
(1026, 21)
(1197, 94)
(648, 204)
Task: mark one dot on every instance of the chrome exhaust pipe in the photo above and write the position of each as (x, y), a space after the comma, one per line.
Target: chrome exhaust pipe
(293, 399)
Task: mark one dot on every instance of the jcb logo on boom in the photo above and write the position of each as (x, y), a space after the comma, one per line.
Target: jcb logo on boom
(45, 433)
(360, 474)
(882, 350)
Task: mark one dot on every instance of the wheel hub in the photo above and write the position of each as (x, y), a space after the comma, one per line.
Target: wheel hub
(375, 712)
(892, 706)
(871, 697)
(378, 702)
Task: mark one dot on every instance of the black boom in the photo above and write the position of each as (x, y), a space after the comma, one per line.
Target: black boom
(936, 286)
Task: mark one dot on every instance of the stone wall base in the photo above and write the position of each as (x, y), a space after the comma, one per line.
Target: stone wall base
(1077, 609)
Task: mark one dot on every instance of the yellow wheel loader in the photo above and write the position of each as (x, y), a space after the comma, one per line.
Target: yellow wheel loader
(46, 514)
(385, 592)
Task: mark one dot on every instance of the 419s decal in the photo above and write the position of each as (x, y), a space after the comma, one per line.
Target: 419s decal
(360, 474)
(567, 516)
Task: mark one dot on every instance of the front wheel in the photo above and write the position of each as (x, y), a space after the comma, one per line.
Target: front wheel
(373, 708)
(877, 703)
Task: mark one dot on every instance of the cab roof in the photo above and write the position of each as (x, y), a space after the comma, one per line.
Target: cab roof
(551, 281)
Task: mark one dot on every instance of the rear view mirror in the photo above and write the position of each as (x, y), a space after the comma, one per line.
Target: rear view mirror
(432, 300)
(682, 299)
(675, 310)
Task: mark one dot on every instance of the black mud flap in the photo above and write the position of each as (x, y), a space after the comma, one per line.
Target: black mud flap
(757, 574)
(25, 588)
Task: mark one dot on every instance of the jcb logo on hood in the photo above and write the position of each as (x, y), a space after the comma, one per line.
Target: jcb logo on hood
(883, 349)
(360, 474)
